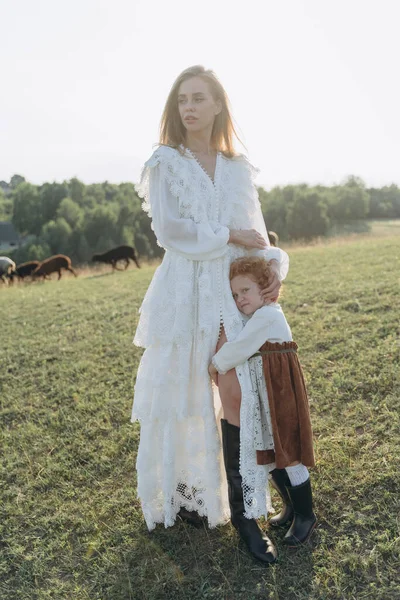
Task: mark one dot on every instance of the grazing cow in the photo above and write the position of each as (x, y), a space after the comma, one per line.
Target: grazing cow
(273, 238)
(54, 264)
(7, 266)
(112, 256)
(24, 270)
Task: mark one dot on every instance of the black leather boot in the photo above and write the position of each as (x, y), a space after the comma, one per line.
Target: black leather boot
(304, 519)
(191, 517)
(259, 545)
(280, 481)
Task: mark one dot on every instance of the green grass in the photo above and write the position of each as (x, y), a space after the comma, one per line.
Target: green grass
(71, 525)
(381, 227)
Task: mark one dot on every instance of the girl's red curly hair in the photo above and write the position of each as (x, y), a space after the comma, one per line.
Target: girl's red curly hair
(255, 267)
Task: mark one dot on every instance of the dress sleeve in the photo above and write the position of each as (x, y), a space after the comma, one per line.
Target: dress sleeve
(256, 331)
(195, 241)
(204, 241)
(256, 220)
(272, 253)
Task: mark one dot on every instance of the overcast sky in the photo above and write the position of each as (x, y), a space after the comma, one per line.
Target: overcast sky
(314, 85)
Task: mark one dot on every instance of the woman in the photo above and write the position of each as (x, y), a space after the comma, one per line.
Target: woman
(205, 212)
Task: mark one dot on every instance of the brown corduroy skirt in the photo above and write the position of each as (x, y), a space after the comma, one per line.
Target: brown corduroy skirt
(288, 405)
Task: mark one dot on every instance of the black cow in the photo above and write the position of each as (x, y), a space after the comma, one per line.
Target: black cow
(112, 256)
(24, 270)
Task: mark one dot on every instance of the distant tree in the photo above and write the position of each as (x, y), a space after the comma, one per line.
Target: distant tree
(104, 242)
(126, 236)
(145, 239)
(82, 250)
(348, 201)
(80, 220)
(144, 246)
(274, 211)
(307, 215)
(378, 207)
(385, 202)
(57, 235)
(52, 194)
(353, 203)
(38, 252)
(35, 250)
(6, 207)
(110, 190)
(16, 180)
(100, 224)
(96, 191)
(353, 181)
(76, 191)
(391, 194)
(27, 208)
(5, 187)
(71, 212)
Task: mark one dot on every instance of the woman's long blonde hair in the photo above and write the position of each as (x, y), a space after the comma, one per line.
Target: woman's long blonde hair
(172, 130)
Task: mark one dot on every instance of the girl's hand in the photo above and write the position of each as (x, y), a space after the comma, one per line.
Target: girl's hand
(213, 373)
(249, 238)
(271, 293)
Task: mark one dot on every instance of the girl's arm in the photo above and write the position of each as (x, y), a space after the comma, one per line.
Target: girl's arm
(254, 334)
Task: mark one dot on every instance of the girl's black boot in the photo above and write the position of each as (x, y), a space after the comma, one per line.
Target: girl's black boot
(259, 545)
(304, 519)
(280, 481)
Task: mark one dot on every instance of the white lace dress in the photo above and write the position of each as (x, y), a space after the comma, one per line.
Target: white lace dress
(179, 460)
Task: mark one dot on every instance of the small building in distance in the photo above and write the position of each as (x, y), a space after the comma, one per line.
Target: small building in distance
(9, 238)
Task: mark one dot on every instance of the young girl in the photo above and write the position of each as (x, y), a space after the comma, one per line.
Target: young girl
(282, 434)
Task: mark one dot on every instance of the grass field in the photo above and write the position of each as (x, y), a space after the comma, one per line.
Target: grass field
(71, 526)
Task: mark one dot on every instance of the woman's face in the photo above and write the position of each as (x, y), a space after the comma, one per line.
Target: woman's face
(247, 294)
(197, 107)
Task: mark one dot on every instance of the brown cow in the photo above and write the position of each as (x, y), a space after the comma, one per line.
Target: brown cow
(54, 264)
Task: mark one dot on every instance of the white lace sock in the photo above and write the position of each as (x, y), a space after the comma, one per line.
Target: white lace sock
(297, 474)
(271, 467)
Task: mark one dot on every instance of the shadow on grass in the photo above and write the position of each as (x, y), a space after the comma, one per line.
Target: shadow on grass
(108, 273)
(183, 562)
(98, 276)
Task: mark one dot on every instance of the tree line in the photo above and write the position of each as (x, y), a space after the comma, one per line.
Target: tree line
(79, 220)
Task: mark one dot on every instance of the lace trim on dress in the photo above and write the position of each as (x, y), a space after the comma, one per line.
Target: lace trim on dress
(252, 171)
(173, 168)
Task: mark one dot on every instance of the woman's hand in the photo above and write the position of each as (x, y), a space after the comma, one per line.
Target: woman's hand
(249, 238)
(271, 293)
(213, 373)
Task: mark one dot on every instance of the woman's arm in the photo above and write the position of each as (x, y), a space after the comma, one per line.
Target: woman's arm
(196, 241)
(249, 238)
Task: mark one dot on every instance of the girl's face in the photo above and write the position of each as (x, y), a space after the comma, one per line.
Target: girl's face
(197, 107)
(247, 294)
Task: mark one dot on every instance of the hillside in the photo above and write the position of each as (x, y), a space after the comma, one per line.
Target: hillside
(71, 526)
